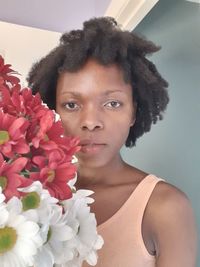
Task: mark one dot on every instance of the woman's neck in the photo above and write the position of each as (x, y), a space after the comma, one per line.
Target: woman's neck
(101, 176)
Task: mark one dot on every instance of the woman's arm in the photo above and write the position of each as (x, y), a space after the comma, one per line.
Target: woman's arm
(173, 228)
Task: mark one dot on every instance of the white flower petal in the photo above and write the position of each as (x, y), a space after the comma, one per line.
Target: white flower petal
(2, 197)
(4, 214)
(32, 215)
(99, 242)
(44, 232)
(15, 221)
(28, 229)
(44, 258)
(63, 233)
(92, 258)
(14, 205)
(34, 187)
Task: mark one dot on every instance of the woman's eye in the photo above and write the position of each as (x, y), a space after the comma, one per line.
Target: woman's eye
(71, 106)
(113, 104)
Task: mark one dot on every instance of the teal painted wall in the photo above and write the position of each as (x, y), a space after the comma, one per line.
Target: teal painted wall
(172, 149)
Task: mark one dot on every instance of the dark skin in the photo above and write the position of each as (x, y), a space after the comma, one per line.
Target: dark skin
(95, 103)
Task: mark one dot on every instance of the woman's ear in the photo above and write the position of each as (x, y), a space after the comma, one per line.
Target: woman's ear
(133, 121)
(134, 114)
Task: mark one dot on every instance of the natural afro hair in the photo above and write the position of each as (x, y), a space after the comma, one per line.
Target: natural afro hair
(103, 40)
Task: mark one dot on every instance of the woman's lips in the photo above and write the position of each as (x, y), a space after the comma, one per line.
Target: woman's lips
(91, 148)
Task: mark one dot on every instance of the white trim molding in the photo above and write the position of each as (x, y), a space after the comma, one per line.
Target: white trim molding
(128, 13)
(194, 1)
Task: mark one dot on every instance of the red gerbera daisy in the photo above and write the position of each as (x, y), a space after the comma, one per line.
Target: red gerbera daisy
(10, 178)
(12, 135)
(7, 73)
(55, 174)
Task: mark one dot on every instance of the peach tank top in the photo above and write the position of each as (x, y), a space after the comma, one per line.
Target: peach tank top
(123, 242)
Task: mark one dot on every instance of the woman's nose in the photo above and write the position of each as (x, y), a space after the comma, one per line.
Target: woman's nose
(90, 120)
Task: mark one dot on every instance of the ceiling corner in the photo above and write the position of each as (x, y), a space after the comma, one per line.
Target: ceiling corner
(128, 13)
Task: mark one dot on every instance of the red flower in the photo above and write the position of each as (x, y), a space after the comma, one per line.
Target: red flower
(55, 174)
(21, 103)
(51, 137)
(12, 135)
(28, 128)
(45, 123)
(10, 179)
(6, 73)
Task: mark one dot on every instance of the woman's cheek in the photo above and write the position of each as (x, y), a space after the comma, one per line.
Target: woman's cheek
(70, 126)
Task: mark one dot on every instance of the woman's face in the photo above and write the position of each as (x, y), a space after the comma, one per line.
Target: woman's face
(96, 105)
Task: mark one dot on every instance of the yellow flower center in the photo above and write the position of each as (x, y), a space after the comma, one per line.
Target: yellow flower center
(31, 201)
(4, 137)
(51, 176)
(3, 182)
(8, 238)
(46, 138)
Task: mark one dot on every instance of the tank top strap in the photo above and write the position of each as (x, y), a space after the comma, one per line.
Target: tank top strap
(141, 196)
(136, 203)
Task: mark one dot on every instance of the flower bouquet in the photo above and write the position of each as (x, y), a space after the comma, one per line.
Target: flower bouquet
(44, 221)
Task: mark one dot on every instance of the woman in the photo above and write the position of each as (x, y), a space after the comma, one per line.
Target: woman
(109, 94)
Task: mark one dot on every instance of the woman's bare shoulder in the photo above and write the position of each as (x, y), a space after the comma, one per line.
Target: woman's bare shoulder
(171, 219)
(166, 192)
(168, 199)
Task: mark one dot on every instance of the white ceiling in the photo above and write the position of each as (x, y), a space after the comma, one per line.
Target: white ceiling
(52, 15)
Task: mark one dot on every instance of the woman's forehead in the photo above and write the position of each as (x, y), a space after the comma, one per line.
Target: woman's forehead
(78, 86)
(94, 74)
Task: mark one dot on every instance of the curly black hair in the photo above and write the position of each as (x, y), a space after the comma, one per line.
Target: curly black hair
(103, 40)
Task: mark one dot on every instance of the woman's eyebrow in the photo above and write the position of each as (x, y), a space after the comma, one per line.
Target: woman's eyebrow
(77, 94)
(113, 91)
(108, 92)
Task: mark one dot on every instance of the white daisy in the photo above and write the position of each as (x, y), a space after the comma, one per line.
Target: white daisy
(37, 203)
(86, 241)
(55, 233)
(39, 206)
(19, 238)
